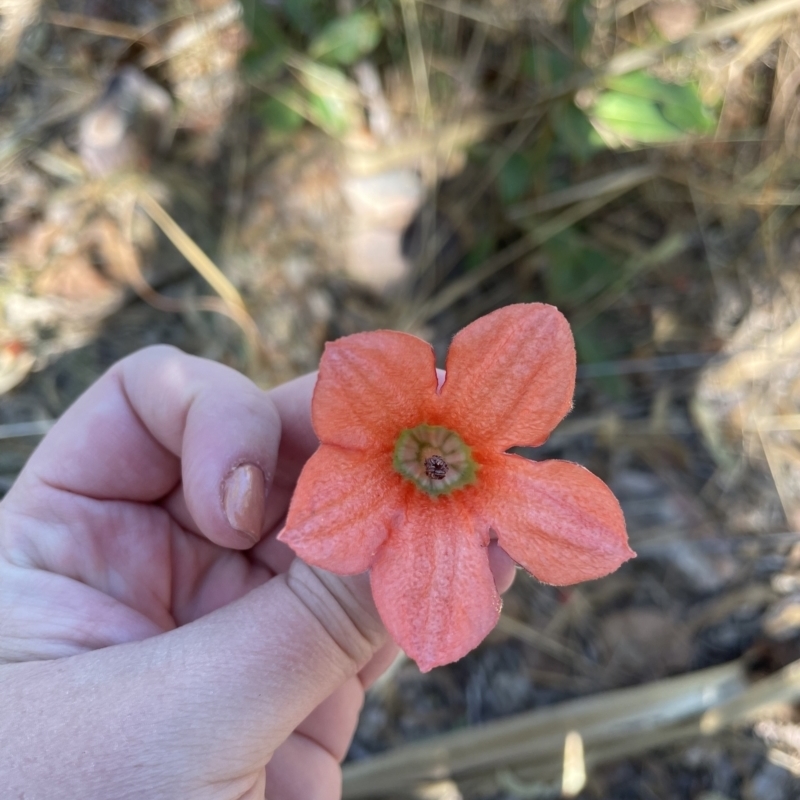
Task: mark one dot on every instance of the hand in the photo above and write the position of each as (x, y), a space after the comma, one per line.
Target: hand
(155, 639)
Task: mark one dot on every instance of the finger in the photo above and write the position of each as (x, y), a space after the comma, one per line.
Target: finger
(274, 555)
(266, 662)
(503, 567)
(301, 770)
(232, 686)
(293, 403)
(380, 662)
(225, 430)
(100, 447)
(175, 505)
(332, 724)
(160, 411)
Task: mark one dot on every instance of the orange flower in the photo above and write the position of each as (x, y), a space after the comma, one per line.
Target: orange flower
(411, 476)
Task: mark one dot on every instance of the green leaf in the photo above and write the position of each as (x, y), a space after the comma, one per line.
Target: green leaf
(690, 116)
(581, 27)
(640, 108)
(323, 80)
(578, 271)
(480, 251)
(330, 114)
(514, 178)
(546, 65)
(306, 16)
(347, 39)
(573, 131)
(334, 102)
(681, 105)
(642, 84)
(264, 55)
(635, 119)
(279, 112)
(594, 343)
(264, 67)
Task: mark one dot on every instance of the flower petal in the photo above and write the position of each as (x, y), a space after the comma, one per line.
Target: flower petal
(554, 518)
(432, 583)
(342, 508)
(370, 387)
(510, 377)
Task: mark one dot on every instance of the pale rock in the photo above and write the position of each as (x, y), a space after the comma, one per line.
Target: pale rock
(381, 207)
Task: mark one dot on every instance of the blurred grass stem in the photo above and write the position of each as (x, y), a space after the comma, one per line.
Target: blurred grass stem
(460, 287)
(611, 724)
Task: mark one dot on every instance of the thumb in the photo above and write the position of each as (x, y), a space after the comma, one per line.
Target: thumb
(203, 705)
(251, 672)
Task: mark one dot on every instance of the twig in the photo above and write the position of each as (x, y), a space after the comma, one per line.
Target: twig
(611, 724)
(21, 430)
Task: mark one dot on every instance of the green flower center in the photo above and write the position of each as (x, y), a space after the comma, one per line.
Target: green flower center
(434, 459)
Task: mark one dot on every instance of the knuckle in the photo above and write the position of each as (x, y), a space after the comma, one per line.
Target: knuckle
(343, 607)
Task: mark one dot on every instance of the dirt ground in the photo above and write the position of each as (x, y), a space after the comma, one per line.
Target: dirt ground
(248, 180)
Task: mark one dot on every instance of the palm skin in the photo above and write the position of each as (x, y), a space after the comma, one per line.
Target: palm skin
(147, 646)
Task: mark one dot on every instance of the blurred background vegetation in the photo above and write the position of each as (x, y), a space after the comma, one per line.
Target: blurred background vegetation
(246, 179)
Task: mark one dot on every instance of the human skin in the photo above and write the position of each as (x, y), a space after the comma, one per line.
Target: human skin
(156, 640)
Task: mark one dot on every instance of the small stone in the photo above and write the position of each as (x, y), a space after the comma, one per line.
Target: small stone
(126, 125)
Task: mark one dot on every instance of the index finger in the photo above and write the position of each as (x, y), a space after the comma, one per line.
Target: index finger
(157, 420)
(292, 401)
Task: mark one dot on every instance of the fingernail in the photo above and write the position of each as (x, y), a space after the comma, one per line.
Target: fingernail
(244, 500)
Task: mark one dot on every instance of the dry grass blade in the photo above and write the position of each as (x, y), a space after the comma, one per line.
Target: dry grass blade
(622, 179)
(612, 725)
(499, 159)
(754, 364)
(410, 151)
(15, 146)
(100, 27)
(475, 13)
(603, 751)
(515, 140)
(542, 641)
(713, 30)
(20, 430)
(230, 303)
(782, 687)
(613, 722)
(719, 27)
(189, 249)
(669, 247)
(416, 55)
